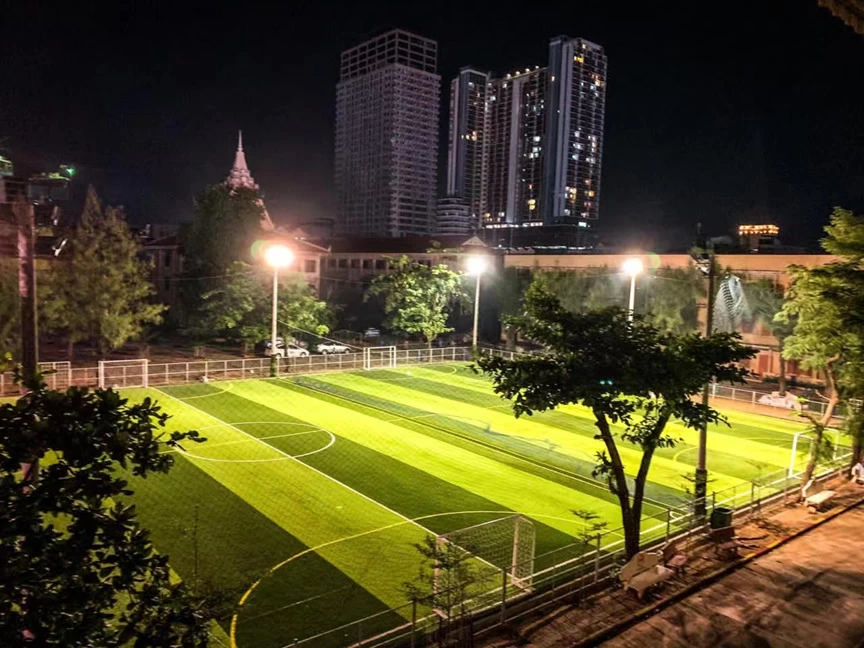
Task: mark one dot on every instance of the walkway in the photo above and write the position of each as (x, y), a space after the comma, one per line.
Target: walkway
(807, 593)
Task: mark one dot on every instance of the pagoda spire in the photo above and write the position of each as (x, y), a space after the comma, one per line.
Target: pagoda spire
(240, 176)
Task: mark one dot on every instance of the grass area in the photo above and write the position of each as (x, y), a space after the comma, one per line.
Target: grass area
(309, 492)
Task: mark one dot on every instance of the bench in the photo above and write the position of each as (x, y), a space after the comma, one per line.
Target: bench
(643, 571)
(725, 542)
(814, 502)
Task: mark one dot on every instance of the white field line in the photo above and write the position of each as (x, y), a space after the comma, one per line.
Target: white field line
(315, 470)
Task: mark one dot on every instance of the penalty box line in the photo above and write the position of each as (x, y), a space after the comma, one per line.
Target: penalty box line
(315, 470)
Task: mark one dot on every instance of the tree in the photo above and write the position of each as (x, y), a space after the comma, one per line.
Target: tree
(418, 298)
(78, 570)
(669, 302)
(9, 308)
(99, 289)
(241, 307)
(629, 374)
(445, 581)
(823, 306)
(225, 225)
(765, 300)
(509, 291)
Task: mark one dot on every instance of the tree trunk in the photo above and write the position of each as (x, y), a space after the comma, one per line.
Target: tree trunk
(820, 425)
(781, 378)
(618, 486)
(70, 349)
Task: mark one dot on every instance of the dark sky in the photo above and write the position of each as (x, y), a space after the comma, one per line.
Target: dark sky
(753, 111)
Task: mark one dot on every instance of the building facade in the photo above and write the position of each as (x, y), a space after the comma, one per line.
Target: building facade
(541, 148)
(387, 103)
(454, 216)
(466, 153)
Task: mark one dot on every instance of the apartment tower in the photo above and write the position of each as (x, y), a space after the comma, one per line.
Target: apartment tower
(387, 103)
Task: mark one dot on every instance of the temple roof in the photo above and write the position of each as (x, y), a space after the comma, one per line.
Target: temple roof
(240, 176)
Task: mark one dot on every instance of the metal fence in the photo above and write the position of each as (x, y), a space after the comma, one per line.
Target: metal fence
(61, 375)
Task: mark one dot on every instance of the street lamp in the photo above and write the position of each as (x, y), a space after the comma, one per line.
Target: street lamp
(277, 256)
(632, 267)
(477, 265)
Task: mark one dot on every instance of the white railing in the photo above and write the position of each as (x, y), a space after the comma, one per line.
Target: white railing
(61, 376)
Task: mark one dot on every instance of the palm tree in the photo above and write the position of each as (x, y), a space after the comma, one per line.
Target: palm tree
(765, 299)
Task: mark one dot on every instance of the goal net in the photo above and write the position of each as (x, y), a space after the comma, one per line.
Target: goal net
(379, 357)
(57, 375)
(506, 544)
(123, 373)
(834, 447)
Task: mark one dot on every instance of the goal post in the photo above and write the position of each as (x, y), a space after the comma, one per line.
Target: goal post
(124, 373)
(57, 375)
(383, 357)
(506, 544)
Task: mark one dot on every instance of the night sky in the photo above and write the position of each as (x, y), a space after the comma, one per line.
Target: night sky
(754, 112)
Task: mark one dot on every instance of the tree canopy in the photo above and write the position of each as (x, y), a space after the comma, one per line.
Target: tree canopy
(225, 225)
(824, 307)
(78, 570)
(99, 290)
(418, 298)
(241, 307)
(634, 378)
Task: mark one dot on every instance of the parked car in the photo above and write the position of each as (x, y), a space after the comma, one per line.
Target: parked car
(330, 347)
(774, 399)
(371, 332)
(291, 350)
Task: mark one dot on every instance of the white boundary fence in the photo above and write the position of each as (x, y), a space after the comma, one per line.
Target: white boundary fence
(137, 373)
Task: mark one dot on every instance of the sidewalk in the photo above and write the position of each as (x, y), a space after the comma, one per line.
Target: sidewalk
(689, 611)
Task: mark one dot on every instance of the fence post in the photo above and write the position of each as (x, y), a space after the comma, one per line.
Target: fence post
(597, 559)
(713, 500)
(753, 399)
(503, 595)
(413, 623)
(668, 523)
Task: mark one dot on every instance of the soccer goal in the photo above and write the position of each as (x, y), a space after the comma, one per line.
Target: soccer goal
(802, 446)
(123, 373)
(379, 357)
(505, 544)
(57, 375)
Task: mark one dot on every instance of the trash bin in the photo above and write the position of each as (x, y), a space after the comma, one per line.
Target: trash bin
(721, 517)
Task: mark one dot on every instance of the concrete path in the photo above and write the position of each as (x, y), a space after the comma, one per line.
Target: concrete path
(808, 593)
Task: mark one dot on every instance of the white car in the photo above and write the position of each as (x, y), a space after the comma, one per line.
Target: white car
(324, 348)
(774, 399)
(290, 351)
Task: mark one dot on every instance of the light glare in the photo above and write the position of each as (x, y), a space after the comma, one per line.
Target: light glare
(632, 266)
(278, 256)
(477, 265)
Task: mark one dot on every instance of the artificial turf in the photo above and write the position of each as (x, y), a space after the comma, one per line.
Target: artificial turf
(312, 490)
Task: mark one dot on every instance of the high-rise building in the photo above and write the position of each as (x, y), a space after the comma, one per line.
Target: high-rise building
(466, 154)
(542, 141)
(454, 216)
(387, 103)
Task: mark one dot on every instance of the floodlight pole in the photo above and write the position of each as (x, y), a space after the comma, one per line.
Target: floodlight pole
(274, 361)
(700, 490)
(476, 315)
(632, 307)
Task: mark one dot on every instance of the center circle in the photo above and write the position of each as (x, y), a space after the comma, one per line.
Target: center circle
(302, 436)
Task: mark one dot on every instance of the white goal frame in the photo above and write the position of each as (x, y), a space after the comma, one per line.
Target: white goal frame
(791, 472)
(386, 361)
(57, 375)
(107, 374)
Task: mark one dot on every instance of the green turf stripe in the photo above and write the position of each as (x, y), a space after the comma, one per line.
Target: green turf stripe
(760, 459)
(511, 488)
(218, 543)
(664, 471)
(308, 505)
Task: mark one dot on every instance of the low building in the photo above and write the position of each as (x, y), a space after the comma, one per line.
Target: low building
(773, 267)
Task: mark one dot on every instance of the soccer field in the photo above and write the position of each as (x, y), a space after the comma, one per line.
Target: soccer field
(309, 492)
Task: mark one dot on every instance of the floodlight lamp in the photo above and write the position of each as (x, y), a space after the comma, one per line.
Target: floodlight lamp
(278, 256)
(477, 264)
(632, 266)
